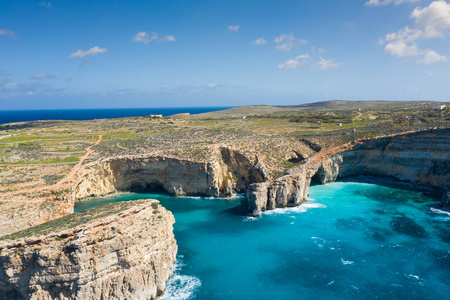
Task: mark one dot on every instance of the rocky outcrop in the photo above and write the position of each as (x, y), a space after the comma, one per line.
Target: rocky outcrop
(286, 191)
(420, 158)
(122, 250)
(227, 172)
(329, 169)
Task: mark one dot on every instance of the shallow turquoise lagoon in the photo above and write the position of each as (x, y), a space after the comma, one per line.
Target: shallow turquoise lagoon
(351, 241)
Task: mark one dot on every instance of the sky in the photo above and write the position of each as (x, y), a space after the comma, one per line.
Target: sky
(179, 53)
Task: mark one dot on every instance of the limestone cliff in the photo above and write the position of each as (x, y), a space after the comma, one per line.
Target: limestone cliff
(19, 213)
(420, 158)
(120, 250)
(286, 191)
(227, 172)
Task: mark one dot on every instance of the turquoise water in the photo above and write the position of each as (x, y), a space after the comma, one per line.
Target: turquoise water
(351, 241)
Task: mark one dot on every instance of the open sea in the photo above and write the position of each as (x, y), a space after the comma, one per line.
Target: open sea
(10, 116)
(352, 240)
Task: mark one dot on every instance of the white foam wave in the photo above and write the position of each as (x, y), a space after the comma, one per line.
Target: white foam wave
(250, 218)
(181, 287)
(414, 276)
(297, 209)
(438, 211)
(234, 196)
(347, 262)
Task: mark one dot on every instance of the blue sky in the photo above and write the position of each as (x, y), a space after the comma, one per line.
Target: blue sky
(113, 54)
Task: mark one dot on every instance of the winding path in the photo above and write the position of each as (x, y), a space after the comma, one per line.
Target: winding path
(66, 180)
(71, 176)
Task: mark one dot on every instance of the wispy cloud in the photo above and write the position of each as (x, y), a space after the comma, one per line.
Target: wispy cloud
(429, 22)
(146, 37)
(287, 41)
(7, 32)
(45, 4)
(386, 2)
(299, 61)
(43, 76)
(305, 59)
(233, 27)
(212, 85)
(327, 64)
(169, 38)
(260, 41)
(93, 51)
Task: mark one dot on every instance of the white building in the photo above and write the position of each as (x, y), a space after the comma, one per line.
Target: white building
(438, 107)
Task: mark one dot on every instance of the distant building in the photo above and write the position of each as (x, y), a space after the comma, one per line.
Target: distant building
(339, 124)
(244, 117)
(155, 116)
(438, 107)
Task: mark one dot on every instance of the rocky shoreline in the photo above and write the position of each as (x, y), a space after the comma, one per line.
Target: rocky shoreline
(420, 158)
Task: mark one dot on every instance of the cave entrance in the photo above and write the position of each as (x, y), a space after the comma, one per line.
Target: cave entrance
(153, 187)
(315, 180)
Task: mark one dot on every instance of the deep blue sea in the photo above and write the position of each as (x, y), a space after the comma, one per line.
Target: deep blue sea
(351, 241)
(91, 114)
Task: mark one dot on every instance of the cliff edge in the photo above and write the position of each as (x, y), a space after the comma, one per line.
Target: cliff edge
(122, 250)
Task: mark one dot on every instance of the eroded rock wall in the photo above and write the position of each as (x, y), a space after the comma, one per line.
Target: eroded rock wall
(421, 158)
(226, 173)
(128, 254)
(286, 191)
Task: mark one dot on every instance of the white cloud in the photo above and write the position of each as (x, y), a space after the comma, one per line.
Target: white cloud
(299, 61)
(43, 76)
(287, 41)
(166, 86)
(7, 32)
(93, 51)
(145, 37)
(429, 57)
(429, 22)
(386, 2)
(431, 74)
(233, 28)
(212, 85)
(260, 41)
(321, 50)
(169, 38)
(326, 64)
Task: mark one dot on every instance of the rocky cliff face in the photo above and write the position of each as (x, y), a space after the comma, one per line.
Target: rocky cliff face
(421, 158)
(286, 191)
(20, 213)
(121, 250)
(227, 172)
